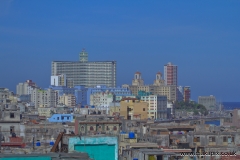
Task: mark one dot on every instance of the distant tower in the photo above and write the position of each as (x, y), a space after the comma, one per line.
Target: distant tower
(158, 81)
(170, 74)
(137, 81)
(83, 56)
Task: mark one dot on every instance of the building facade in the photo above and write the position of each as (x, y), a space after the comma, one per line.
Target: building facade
(170, 74)
(25, 88)
(86, 73)
(157, 106)
(80, 93)
(102, 100)
(157, 88)
(59, 80)
(44, 98)
(187, 93)
(119, 92)
(68, 100)
(132, 108)
(208, 101)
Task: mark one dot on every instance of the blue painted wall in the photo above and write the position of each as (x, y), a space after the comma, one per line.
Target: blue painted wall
(61, 118)
(80, 92)
(99, 148)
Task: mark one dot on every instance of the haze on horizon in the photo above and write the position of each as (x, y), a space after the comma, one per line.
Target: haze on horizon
(202, 38)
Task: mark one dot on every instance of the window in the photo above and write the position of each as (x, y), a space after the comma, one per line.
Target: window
(107, 128)
(196, 139)
(57, 118)
(11, 115)
(114, 128)
(212, 139)
(82, 128)
(91, 128)
(143, 109)
(11, 129)
(224, 139)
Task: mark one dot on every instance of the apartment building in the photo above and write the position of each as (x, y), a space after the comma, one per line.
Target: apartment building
(102, 100)
(86, 73)
(157, 106)
(170, 74)
(44, 98)
(132, 108)
(25, 88)
(68, 100)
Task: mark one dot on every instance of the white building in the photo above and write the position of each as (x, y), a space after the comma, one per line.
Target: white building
(86, 73)
(25, 88)
(44, 98)
(102, 100)
(59, 80)
(157, 106)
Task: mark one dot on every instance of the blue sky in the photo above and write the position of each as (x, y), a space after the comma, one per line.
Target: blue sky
(201, 37)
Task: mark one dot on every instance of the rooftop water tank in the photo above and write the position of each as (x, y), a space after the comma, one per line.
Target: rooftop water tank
(51, 143)
(38, 143)
(131, 135)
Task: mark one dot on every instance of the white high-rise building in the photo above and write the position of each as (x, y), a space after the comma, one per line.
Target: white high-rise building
(86, 73)
(25, 88)
(170, 74)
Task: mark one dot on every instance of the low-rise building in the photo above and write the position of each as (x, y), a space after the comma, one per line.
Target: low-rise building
(61, 118)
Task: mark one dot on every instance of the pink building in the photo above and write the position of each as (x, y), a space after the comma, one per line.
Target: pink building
(170, 74)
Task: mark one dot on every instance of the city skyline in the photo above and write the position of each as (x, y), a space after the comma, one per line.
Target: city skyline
(202, 39)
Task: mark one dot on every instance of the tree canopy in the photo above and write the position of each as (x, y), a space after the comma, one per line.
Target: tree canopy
(191, 107)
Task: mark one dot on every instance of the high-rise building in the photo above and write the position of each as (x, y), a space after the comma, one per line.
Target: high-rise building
(25, 88)
(187, 93)
(44, 98)
(170, 74)
(184, 93)
(86, 73)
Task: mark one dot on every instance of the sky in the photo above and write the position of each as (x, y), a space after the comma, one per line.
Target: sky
(201, 37)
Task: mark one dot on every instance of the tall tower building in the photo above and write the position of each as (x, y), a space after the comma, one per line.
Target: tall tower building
(86, 73)
(83, 56)
(170, 74)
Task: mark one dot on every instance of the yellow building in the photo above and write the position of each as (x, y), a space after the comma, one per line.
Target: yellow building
(157, 88)
(132, 108)
(68, 100)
